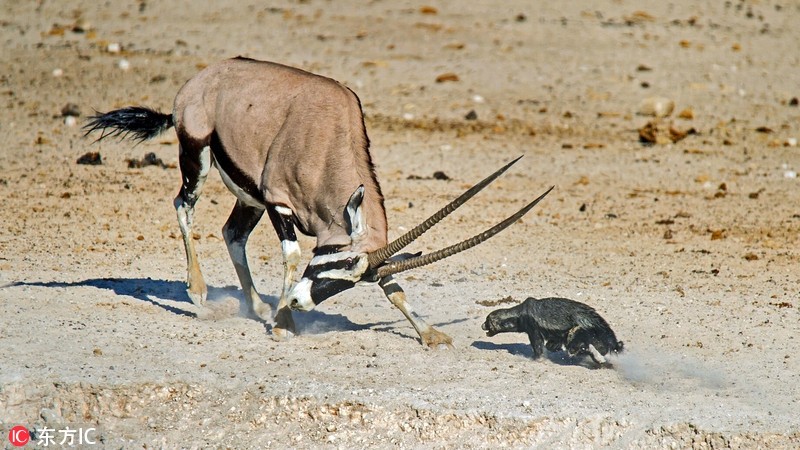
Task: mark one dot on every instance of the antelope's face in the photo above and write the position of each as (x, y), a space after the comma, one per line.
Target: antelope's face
(327, 275)
(333, 270)
(501, 321)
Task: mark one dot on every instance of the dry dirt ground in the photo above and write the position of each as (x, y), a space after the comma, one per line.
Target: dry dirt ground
(688, 247)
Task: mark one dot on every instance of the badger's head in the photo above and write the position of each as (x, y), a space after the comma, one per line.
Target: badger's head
(501, 321)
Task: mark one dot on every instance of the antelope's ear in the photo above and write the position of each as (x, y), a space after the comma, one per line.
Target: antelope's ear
(354, 216)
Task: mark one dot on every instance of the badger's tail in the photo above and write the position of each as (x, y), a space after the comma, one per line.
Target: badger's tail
(138, 122)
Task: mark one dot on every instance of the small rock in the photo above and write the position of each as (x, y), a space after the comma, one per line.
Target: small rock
(150, 159)
(656, 107)
(114, 48)
(124, 64)
(794, 102)
(439, 175)
(81, 26)
(791, 142)
(472, 115)
(70, 121)
(58, 72)
(91, 159)
(446, 77)
(71, 109)
(790, 174)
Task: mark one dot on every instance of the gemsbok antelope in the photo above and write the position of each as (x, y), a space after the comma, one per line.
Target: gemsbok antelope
(293, 144)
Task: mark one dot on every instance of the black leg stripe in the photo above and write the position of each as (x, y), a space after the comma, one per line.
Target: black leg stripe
(390, 288)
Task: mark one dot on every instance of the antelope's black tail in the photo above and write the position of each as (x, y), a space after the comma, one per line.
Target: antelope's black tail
(138, 122)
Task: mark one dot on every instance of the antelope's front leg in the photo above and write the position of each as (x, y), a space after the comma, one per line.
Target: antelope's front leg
(282, 221)
(430, 336)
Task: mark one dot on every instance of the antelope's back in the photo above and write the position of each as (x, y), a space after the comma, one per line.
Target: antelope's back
(300, 137)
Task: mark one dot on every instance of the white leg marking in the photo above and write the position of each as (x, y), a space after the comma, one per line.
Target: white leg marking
(291, 252)
(282, 210)
(205, 162)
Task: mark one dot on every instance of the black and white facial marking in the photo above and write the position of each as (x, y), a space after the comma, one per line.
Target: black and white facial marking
(333, 270)
(327, 275)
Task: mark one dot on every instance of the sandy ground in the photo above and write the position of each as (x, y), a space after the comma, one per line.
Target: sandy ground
(688, 248)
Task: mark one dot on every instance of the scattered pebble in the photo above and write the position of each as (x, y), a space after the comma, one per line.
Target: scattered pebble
(124, 64)
(70, 109)
(113, 47)
(447, 77)
(472, 115)
(477, 98)
(656, 107)
(438, 175)
(91, 159)
(58, 72)
(408, 116)
(653, 133)
(70, 121)
(791, 142)
(790, 174)
(150, 159)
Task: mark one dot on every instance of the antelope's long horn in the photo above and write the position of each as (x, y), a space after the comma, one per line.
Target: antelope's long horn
(419, 261)
(379, 256)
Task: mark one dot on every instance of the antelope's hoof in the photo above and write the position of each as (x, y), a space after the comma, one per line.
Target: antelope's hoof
(197, 296)
(261, 311)
(437, 340)
(281, 334)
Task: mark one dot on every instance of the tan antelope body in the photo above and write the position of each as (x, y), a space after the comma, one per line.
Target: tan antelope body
(292, 144)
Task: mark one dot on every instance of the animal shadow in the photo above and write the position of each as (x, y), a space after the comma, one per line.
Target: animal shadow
(560, 358)
(169, 295)
(172, 297)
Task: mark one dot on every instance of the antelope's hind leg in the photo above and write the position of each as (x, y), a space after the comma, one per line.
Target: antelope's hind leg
(236, 231)
(195, 162)
(430, 336)
(281, 218)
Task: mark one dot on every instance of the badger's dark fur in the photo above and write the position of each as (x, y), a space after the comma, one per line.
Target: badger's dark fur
(557, 324)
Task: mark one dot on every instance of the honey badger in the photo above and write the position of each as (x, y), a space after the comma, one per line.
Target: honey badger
(557, 324)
